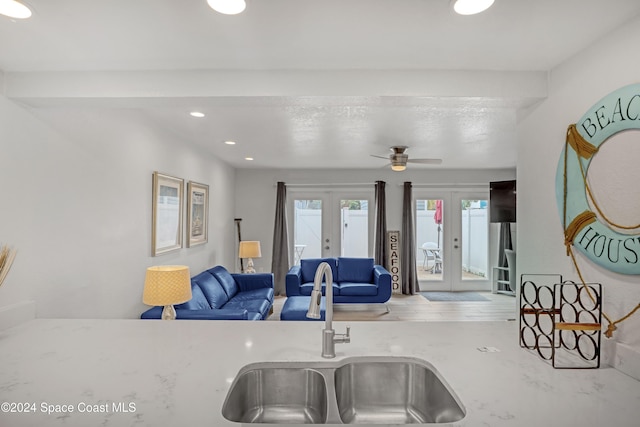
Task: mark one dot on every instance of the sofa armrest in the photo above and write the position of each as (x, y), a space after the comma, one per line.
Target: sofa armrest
(211, 314)
(382, 279)
(249, 282)
(293, 281)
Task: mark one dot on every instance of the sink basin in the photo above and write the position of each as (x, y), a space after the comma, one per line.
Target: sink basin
(394, 392)
(274, 394)
(356, 390)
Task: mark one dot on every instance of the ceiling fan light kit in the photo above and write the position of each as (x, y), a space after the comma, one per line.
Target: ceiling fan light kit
(399, 158)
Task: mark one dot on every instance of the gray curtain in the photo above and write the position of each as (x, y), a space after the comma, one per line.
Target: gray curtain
(409, 270)
(280, 257)
(504, 242)
(380, 225)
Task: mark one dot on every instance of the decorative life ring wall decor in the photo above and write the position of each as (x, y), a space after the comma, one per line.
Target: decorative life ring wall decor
(592, 234)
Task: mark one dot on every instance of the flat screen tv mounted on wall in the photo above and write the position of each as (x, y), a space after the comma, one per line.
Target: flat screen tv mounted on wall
(502, 201)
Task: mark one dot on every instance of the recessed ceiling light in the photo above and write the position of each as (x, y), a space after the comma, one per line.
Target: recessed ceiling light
(14, 9)
(196, 114)
(228, 7)
(230, 142)
(248, 158)
(471, 7)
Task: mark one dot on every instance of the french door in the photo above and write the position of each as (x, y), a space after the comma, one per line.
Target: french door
(452, 238)
(330, 224)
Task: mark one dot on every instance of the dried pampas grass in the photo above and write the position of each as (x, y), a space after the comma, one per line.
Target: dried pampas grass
(7, 255)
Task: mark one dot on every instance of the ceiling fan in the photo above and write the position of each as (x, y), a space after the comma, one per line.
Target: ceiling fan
(399, 158)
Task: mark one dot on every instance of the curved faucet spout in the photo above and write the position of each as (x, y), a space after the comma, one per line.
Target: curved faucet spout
(329, 337)
(323, 271)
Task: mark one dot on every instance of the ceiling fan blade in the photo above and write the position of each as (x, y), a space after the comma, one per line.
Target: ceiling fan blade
(380, 157)
(426, 161)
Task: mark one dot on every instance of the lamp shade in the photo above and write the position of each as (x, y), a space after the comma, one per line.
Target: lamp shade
(249, 249)
(167, 285)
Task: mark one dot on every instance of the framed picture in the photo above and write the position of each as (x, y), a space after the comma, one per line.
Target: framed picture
(197, 213)
(168, 196)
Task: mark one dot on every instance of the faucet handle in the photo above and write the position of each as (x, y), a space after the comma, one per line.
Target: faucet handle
(345, 338)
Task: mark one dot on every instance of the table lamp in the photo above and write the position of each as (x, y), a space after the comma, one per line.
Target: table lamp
(167, 285)
(249, 249)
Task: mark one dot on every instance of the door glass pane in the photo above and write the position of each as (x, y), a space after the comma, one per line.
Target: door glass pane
(354, 228)
(475, 237)
(429, 238)
(307, 229)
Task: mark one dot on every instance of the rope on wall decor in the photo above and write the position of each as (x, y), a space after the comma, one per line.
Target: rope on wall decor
(584, 149)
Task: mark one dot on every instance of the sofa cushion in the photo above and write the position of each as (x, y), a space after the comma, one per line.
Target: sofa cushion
(306, 288)
(262, 293)
(212, 289)
(249, 281)
(254, 315)
(226, 280)
(252, 306)
(197, 302)
(351, 288)
(357, 270)
(308, 267)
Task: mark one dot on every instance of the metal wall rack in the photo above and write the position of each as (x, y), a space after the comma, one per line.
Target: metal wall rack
(561, 320)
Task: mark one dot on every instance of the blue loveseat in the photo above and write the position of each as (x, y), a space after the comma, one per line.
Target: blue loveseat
(355, 280)
(220, 295)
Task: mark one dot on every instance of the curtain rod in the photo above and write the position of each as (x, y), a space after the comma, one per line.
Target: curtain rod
(415, 185)
(448, 185)
(358, 184)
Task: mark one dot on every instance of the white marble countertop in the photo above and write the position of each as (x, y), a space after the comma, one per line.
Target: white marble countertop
(161, 373)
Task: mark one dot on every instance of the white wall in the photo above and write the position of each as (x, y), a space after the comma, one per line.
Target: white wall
(79, 210)
(256, 189)
(574, 87)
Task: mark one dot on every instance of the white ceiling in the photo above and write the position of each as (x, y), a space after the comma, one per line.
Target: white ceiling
(303, 83)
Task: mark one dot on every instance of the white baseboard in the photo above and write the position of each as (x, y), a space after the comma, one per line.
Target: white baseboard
(627, 360)
(13, 315)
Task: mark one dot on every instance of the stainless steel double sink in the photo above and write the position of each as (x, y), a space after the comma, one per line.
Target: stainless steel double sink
(356, 390)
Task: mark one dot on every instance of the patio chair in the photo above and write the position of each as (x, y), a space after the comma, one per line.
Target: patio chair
(431, 252)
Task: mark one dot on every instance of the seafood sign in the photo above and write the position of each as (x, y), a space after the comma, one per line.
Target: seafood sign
(393, 260)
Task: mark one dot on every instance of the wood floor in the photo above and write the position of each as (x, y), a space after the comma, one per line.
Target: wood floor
(417, 308)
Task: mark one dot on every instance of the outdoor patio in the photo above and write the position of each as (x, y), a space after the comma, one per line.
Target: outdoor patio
(429, 275)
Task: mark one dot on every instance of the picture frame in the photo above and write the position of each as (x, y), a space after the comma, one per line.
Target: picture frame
(197, 213)
(167, 223)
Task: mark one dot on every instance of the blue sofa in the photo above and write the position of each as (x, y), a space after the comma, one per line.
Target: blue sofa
(220, 295)
(355, 280)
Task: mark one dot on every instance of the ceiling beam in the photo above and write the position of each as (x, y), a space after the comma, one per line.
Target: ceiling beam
(60, 88)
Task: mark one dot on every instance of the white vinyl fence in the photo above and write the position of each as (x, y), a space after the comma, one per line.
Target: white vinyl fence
(475, 235)
(354, 223)
(354, 234)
